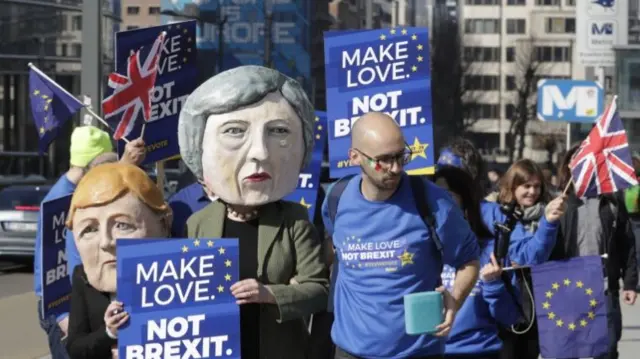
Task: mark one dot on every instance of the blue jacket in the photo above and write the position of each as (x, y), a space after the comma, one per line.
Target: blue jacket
(525, 248)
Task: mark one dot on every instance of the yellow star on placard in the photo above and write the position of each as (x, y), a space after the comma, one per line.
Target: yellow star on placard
(414, 68)
(418, 149)
(196, 243)
(546, 305)
(567, 282)
(220, 289)
(406, 258)
(382, 37)
(551, 315)
(555, 286)
(221, 250)
(227, 263)
(42, 130)
(572, 326)
(304, 203)
(185, 249)
(420, 58)
(392, 31)
(210, 244)
(227, 277)
(420, 47)
(589, 291)
(414, 37)
(404, 31)
(579, 284)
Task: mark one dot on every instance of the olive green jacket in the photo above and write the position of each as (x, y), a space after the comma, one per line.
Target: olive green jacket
(289, 251)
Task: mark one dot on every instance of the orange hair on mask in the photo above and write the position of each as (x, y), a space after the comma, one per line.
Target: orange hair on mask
(108, 182)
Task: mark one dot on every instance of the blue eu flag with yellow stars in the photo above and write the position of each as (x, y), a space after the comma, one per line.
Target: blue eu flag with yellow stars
(571, 308)
(51, 106)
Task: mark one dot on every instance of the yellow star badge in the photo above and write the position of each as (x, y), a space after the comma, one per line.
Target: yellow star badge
(418, 149)
(304, 203)
(196, 243)
(227, 263)
(220, 289)
(227, 277)
(414, 68)
(420, 47)
(221, 250)
(382, 37)
(392, 31)
(414, 37)
(210, 244)
(406, 258)
(420, 58)
(185, 249)
(404, 31)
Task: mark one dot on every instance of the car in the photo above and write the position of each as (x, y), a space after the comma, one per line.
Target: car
(19, 211)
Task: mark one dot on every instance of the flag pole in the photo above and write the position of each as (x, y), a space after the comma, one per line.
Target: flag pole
(89, 110)
(34, 68)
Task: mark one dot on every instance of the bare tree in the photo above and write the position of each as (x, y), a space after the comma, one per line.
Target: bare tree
(528, 69)
(455, 104)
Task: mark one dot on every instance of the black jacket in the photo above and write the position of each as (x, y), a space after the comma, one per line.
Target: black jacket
(87, 332)
(619, 240)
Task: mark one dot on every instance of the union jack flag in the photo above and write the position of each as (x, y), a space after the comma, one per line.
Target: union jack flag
(132, 93)
(603, 164)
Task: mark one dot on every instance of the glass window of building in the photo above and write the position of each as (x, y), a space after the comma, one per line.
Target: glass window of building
(516, 2)
(548, 2)
(133, 10)
(516, 26)
(76, 23)
(154, 10)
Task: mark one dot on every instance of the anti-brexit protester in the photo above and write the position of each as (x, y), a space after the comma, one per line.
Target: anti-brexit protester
(88, 144)
(112, 201)
(385, 250)
(490, 304)
(186, 202)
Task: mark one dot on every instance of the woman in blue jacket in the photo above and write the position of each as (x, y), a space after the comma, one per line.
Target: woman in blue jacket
(490, 304)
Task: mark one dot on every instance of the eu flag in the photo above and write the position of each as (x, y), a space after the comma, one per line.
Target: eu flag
(51, 106)
(571, 308)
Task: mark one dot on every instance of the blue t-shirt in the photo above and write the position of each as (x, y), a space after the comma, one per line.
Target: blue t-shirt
(63, 187)
(475, 330)
(384, 252)
(184, 203)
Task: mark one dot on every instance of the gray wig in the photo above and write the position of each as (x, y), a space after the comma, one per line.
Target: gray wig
(232, 90)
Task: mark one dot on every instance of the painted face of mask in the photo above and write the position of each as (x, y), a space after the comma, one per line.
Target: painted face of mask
(253, 156)
(96, 229)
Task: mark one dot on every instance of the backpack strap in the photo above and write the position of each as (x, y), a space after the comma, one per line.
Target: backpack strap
(333, 199)
(420, 198)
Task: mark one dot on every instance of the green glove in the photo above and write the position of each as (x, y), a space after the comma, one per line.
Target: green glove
(631, 199)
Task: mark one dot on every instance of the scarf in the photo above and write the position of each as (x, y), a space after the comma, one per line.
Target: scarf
(532, 215)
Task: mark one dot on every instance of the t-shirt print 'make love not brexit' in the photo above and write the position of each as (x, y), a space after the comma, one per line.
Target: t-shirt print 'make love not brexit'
(383, 254)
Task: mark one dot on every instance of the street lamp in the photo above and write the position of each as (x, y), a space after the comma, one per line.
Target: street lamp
(218, 21)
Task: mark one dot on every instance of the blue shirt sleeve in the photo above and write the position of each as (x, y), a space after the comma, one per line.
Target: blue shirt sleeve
(73, 257)
(37, 260)
(459, 243)
(502, 305)
(530, 249)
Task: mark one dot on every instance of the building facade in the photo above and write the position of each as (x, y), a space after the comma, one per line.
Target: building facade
(140, 13)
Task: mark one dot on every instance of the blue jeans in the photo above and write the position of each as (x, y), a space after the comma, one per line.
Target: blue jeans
(57, 346)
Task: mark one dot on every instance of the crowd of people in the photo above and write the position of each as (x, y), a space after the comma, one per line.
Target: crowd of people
(335, 286)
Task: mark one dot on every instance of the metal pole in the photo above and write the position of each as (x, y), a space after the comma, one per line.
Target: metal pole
(396, 11)
(220, 23)
(368, 14)
(571, 77)
(91, 76)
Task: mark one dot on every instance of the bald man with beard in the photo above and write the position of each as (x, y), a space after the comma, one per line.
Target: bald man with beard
(385, 251)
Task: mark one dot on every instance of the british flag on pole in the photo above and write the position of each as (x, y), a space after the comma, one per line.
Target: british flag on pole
(603, 164)
(132, 93)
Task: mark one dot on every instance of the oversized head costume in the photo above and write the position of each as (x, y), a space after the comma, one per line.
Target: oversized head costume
(246, 133)
(112, 201)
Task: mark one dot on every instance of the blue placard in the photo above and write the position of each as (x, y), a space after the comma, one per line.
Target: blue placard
(570, 100)
(383, 71)
(244, 33)
(177, 78)
(307, 192)
(176, 292)
(56, 286)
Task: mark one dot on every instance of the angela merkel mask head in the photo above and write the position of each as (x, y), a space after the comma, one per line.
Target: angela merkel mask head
(246, 133)
(112, 201)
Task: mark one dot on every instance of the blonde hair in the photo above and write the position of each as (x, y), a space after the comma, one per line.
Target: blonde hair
(108, 182)
(521, 172)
